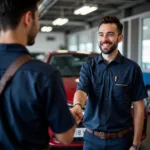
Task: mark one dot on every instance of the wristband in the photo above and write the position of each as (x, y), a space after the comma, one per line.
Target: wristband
(136, 147)
(78, 104)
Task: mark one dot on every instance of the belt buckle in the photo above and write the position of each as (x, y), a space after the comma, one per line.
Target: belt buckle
(119, 135)
(101, 135)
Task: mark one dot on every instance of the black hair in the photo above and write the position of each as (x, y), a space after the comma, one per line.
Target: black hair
(11, 12)
(112, 20)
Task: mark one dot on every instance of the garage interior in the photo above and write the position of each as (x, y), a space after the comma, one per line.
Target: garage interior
(80, 33)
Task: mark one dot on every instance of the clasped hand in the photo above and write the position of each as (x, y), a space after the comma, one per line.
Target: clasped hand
(77, 113)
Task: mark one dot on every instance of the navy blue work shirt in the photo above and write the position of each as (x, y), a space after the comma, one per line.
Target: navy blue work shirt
(111, 89)
(34, 100)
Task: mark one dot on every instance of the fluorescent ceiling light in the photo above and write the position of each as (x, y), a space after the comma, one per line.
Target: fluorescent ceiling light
(60, 21)
(46, 29)
(86, 9)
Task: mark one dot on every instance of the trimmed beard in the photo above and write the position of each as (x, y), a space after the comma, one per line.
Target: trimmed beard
(31, 35)
(111, 50)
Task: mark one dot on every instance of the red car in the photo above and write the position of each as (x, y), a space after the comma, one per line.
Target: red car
(69, 64)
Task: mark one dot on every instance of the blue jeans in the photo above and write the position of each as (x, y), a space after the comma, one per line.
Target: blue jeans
(93, 142)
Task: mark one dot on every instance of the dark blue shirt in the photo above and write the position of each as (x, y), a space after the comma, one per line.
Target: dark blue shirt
(34, 100)
(111, 89)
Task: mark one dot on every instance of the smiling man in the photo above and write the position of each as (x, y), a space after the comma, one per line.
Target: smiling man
(108, 85)
(109, 38)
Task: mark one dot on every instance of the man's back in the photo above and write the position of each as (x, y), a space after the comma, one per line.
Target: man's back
(30, 103)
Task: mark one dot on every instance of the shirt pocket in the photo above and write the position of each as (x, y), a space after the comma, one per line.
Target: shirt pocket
(121, 93)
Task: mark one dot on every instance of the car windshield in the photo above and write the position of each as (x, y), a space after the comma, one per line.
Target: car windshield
(69, 65)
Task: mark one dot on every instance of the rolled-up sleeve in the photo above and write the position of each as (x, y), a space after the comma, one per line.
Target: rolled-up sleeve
(84, 79)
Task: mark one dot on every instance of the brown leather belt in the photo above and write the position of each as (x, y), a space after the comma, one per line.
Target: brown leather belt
(104, 135)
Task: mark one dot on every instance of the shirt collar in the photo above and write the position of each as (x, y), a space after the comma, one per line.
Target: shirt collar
(12, 48)
(118, 58)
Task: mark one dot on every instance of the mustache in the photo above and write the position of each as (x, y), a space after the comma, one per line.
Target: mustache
(106, 42)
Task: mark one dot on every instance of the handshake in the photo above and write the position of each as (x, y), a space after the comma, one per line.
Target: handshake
(77, 112)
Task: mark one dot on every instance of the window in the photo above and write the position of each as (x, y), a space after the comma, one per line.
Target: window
(89, 47)
(120, 47)
(146, 44)
(82, 47)
(70, 64)
(73, 47)
(72, 43)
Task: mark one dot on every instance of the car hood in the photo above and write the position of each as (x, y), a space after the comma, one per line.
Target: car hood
(70, 84)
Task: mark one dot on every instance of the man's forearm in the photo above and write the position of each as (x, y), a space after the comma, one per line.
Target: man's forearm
(80, 97)
(138, 122)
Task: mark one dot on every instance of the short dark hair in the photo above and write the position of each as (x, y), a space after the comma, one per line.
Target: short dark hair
(112, 19)
(11, 12)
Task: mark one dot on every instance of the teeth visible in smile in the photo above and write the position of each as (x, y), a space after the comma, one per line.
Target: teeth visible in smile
(105, 44)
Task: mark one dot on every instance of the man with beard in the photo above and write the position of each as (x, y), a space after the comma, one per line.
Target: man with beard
(108, 85)
(35, 98)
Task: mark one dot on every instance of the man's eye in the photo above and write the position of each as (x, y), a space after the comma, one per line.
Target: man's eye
(110, 34)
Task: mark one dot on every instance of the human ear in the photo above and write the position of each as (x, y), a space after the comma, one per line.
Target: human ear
(28, 18)
(120, 38)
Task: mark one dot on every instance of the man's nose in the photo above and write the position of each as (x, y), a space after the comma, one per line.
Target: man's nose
(105, 38)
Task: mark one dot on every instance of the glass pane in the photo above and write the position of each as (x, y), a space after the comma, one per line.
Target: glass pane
(120, 47)
(73, 47)
(69, 64)
(82, 47)
(89, 47)
(146, 44)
